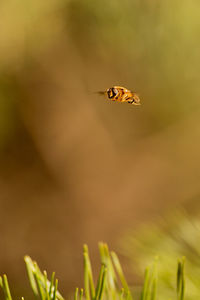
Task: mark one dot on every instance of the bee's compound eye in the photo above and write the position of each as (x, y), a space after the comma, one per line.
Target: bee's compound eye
(110, 93)
(115, 91)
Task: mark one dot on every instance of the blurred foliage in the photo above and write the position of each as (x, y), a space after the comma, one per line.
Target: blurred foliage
(7, 109)
(172, 237)
(52, 55)
(152, 44)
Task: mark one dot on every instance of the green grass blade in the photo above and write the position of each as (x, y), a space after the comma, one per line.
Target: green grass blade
(178, 281)
(99, 281)
(30, 270)
(40, 287)
(111, 286)
(46, 286)
(121, 294)
(128, 296)
(37, 280)
(146, 285)
(1, 282)
(55, 290)
(181, 279)
(102, 288)
(119, 271)
(5, 287)
(109, 264)
(154, 281)
(89, 282)
(81, 294)
(86, 278)
(76, 294)
(51, 284)
(154, 288)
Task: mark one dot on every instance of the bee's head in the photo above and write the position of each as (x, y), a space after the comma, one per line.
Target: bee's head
(112, 92)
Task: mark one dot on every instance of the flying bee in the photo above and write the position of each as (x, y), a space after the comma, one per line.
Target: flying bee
(121, 94)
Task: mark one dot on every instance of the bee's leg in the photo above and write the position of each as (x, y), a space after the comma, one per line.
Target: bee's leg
(130, 100)
(126, 99)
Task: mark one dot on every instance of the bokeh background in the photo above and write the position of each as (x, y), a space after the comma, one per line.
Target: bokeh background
(76, 168)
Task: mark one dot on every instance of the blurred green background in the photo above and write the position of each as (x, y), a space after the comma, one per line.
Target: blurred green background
(76, 168)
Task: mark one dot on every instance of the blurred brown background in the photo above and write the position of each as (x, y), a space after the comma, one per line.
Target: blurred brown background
(76, 168)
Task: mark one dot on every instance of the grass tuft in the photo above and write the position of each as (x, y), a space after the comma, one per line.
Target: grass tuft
(111, 283)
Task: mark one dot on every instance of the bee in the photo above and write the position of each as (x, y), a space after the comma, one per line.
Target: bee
(121, 94)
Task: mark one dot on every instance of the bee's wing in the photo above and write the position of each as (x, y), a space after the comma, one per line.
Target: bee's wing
(134, 93)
